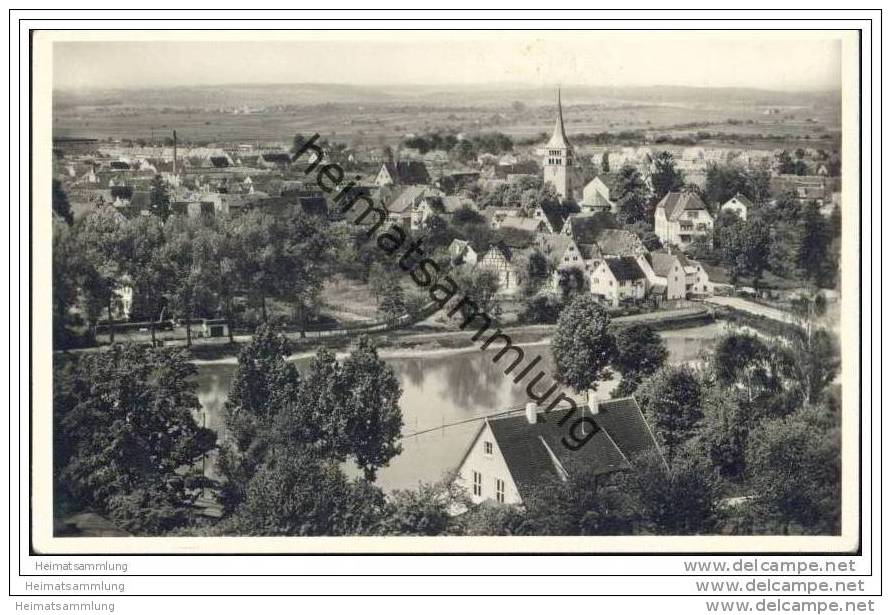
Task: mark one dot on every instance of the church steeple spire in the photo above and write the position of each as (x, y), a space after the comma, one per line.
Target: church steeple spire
(557, 153)
(558, 139)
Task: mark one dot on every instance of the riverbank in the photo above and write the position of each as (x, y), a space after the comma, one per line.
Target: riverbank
(424, 340)
(410, 342)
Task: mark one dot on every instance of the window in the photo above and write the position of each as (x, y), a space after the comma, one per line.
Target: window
(488, 448)
(477, 483)
(499, 490)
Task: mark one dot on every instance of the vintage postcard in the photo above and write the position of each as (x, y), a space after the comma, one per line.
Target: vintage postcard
(490, 291)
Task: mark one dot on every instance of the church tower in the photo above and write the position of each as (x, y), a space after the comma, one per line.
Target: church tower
(558, 156)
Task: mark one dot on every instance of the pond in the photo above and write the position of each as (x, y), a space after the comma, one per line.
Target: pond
(444, 388)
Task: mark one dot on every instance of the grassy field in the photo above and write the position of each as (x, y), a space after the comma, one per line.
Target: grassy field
(374, 119)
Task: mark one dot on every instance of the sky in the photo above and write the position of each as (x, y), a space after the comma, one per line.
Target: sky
(777, 61)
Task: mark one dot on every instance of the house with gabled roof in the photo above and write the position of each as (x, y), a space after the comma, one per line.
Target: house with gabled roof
(462, 253)
(614, 280)
(275, 160)
(555, 214)
(495, 215)
(444, 206)
(400, 201)
(619, 242)
(561, 252)
(586, 227)
(669, 280)
(514, 454)
(739, 204)
(682, 217)
(595, 197)
(673, 275)
(498, 259)
(524, 223)
(404, 172)
(508, 259)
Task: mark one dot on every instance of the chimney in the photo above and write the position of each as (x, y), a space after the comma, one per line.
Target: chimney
(531, 412)
(593, 404)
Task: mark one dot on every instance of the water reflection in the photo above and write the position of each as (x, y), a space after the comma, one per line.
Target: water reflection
(443, 389)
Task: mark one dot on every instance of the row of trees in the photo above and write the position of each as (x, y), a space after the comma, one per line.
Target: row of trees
(462, 148)
(785, 237)
(186, 267)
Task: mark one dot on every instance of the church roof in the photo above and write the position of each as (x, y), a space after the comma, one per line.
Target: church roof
(558, 139)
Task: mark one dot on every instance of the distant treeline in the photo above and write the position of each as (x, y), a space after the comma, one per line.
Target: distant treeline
(471, 145)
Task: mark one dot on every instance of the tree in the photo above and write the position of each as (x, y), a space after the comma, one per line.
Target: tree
(372, 417)
(142, 262)
(263, 386)
(676, 500)
(536, 272)
(813, 251)
(189, 262)
(391, 301)
(541, 309)
(724, 181)
(585, 504)
(125, 427)
(61, 206)
(782, 255)
(159, 198)
(481, 286)
(744, 248)
(307, 258)
(666, 177)
(261, 262)
(572, 282)
(494, 519)
(767, 375)
(425, 511)
(604, 162)
(349, 410)
(789, 166)
(66, 272)
(672, 400)
(99, 237)
(632, 196)
(724, 431)
(640, 353)
(301, 493)
(261, 392)
(437, 232)
(817, 359)
(794, 466)
(583, 346)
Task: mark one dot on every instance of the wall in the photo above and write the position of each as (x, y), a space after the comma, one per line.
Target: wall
(491, 467)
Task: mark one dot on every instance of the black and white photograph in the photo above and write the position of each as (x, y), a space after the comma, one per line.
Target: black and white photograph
(447, 291)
